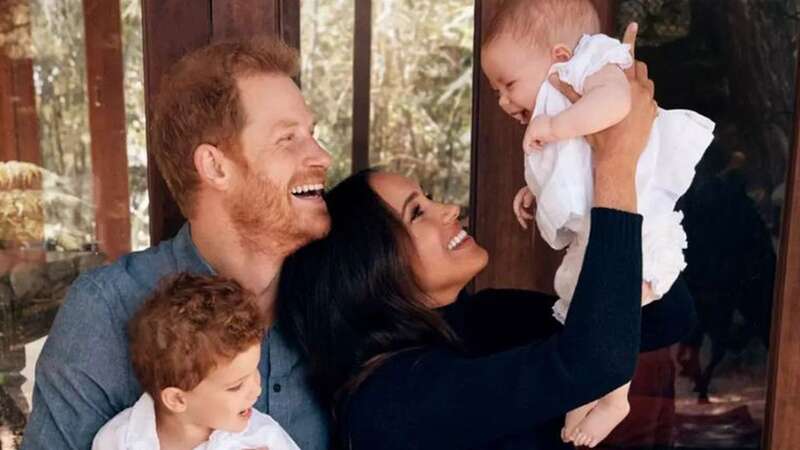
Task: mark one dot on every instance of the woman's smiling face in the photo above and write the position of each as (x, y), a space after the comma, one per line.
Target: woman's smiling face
(444, 257)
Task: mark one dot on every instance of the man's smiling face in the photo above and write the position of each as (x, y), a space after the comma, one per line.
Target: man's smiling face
(277, 204)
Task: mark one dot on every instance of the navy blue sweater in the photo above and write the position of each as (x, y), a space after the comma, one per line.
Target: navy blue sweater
(522, 370)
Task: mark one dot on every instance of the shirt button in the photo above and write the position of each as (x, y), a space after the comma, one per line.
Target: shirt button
(276, 387)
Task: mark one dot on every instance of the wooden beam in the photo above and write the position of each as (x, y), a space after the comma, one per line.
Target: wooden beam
(290, 22)
(237, 18)
(8, 134)
(104, 75)
(8, 123)
(362, 56)
(171, 29)
(19, 124)
(781, 431)
(27, 122)
(607, 10)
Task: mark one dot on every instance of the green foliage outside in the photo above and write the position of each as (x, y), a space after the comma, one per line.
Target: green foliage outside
(326, 46)
(421, 87)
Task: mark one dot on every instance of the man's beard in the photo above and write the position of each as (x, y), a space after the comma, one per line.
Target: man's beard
(264, 220)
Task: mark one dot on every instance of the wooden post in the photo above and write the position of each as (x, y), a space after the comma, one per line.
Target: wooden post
(8, 135)
(607, 10)
(104, 75)
(235, 18)
(25, 118)
(170, 30)
(19, 125)
(781, 431)
(289, 22)
(362, 55)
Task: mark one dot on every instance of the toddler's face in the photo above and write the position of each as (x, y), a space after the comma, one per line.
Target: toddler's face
(516, 72)
(224, 399)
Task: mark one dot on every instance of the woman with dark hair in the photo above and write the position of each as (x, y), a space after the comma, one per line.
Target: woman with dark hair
(405, 361)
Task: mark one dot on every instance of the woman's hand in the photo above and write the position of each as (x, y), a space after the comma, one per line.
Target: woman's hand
(616, 150)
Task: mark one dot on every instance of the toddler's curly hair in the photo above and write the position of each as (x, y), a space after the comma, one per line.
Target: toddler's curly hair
(188, 326)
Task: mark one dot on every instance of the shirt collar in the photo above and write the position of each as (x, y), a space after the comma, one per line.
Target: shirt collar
(283, 355)
(142, 426)
(187, 256)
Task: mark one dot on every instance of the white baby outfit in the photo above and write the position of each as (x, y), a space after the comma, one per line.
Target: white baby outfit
(560, 176)
(135, 429)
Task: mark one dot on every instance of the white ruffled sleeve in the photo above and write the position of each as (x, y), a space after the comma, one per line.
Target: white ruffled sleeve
(592, 54)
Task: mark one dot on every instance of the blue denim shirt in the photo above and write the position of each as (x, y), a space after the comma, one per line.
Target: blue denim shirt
(84, 375)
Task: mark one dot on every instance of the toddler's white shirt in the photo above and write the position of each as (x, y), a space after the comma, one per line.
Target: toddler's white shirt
(135, 429)
(560, 176)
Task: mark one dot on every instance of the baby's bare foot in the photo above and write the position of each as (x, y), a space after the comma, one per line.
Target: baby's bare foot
(573, 419)
(648, 295)
(600, 421)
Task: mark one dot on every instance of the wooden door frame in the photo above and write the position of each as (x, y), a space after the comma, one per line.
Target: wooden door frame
(782, 424)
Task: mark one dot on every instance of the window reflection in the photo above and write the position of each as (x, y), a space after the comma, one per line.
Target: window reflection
(735, 63)
(47, 211)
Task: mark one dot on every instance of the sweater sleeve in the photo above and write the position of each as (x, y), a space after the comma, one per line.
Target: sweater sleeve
(438, 398)
(494, 320)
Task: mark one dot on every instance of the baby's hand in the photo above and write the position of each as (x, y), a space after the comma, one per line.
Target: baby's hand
(523, 202)
(538, 133)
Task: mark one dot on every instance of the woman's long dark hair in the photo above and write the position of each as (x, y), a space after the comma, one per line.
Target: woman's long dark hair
(349, 300)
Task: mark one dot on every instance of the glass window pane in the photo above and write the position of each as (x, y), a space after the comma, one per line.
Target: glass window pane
(326, 47)
(735, 63)
(421, 92)
(58, 48)
(133, 66)
(48, 218)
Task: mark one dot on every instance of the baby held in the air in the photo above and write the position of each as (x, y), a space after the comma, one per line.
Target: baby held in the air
(526, 43)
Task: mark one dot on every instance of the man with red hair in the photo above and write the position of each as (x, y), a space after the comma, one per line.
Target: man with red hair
(235, 142)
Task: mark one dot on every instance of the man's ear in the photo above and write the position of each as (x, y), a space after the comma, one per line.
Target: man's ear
(212, 166)
(174, 399)
(560, 53)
